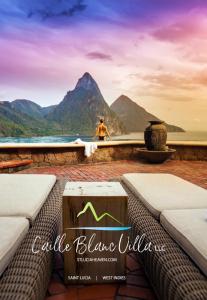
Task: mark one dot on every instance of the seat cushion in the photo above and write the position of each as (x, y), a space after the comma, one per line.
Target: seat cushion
(23, 195)
(161, 192)
(188, 228)
(12, 232)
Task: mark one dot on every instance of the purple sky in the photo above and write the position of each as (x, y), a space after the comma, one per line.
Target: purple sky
(154, 51)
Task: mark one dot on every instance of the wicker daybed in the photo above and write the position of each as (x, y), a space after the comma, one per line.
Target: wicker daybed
(173, 275)
(28, 274)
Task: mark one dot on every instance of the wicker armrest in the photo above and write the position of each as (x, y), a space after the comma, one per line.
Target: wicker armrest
(28, 275)
(173, 275)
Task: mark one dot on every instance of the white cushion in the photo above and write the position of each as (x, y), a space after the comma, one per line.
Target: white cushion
(23, 195)
(165, 191)
(188, 228)
(12, 232)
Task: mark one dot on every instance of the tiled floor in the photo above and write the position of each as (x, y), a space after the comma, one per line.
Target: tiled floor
(194, 171)
(137, 285)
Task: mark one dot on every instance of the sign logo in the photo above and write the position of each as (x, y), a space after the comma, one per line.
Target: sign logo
(89, 206)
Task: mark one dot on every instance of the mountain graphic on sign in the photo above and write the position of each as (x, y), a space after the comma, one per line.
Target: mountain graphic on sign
(89, 205)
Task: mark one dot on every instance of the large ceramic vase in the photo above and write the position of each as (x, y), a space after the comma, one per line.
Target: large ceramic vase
(155, 136)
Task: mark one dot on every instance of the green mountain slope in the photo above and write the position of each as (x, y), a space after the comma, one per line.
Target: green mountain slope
(27, 107)
(14, 122)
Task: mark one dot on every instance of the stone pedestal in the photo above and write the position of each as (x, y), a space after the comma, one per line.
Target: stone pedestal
(156, 157)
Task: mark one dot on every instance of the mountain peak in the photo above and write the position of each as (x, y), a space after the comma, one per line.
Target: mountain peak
(125, 101)
(124, 98)
(87, 74)
(87, 82)
(80, 109)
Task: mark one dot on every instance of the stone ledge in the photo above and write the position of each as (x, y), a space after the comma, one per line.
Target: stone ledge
(99, 144)
(69, 154)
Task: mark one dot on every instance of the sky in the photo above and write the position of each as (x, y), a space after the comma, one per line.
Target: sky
(153, 51)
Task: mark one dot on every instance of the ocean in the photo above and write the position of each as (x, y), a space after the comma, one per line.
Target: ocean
(172, 136)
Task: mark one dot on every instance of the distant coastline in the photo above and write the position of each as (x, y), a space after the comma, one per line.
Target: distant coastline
(172, 136)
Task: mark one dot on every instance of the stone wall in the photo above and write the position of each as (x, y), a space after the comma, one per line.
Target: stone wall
(63, 154)
(187, 152)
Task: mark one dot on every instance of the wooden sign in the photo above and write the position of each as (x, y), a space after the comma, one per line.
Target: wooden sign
(95, 227)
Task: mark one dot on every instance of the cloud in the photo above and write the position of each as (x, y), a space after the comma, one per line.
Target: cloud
(177, 81)
(175, 32)
(21, 9)
(57, 8)
(187, 36)
(192, 26)
(169, 96)
(201, 78)
(99, 55)
(168, 80)
(186, 87)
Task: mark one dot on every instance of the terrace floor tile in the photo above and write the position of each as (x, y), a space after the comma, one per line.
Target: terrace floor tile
(136, 292)
(71, 294)
(97, 292)
(56, 287)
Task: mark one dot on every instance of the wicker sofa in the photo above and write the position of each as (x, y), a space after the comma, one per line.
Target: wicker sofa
(173, 275)
(28, 274)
